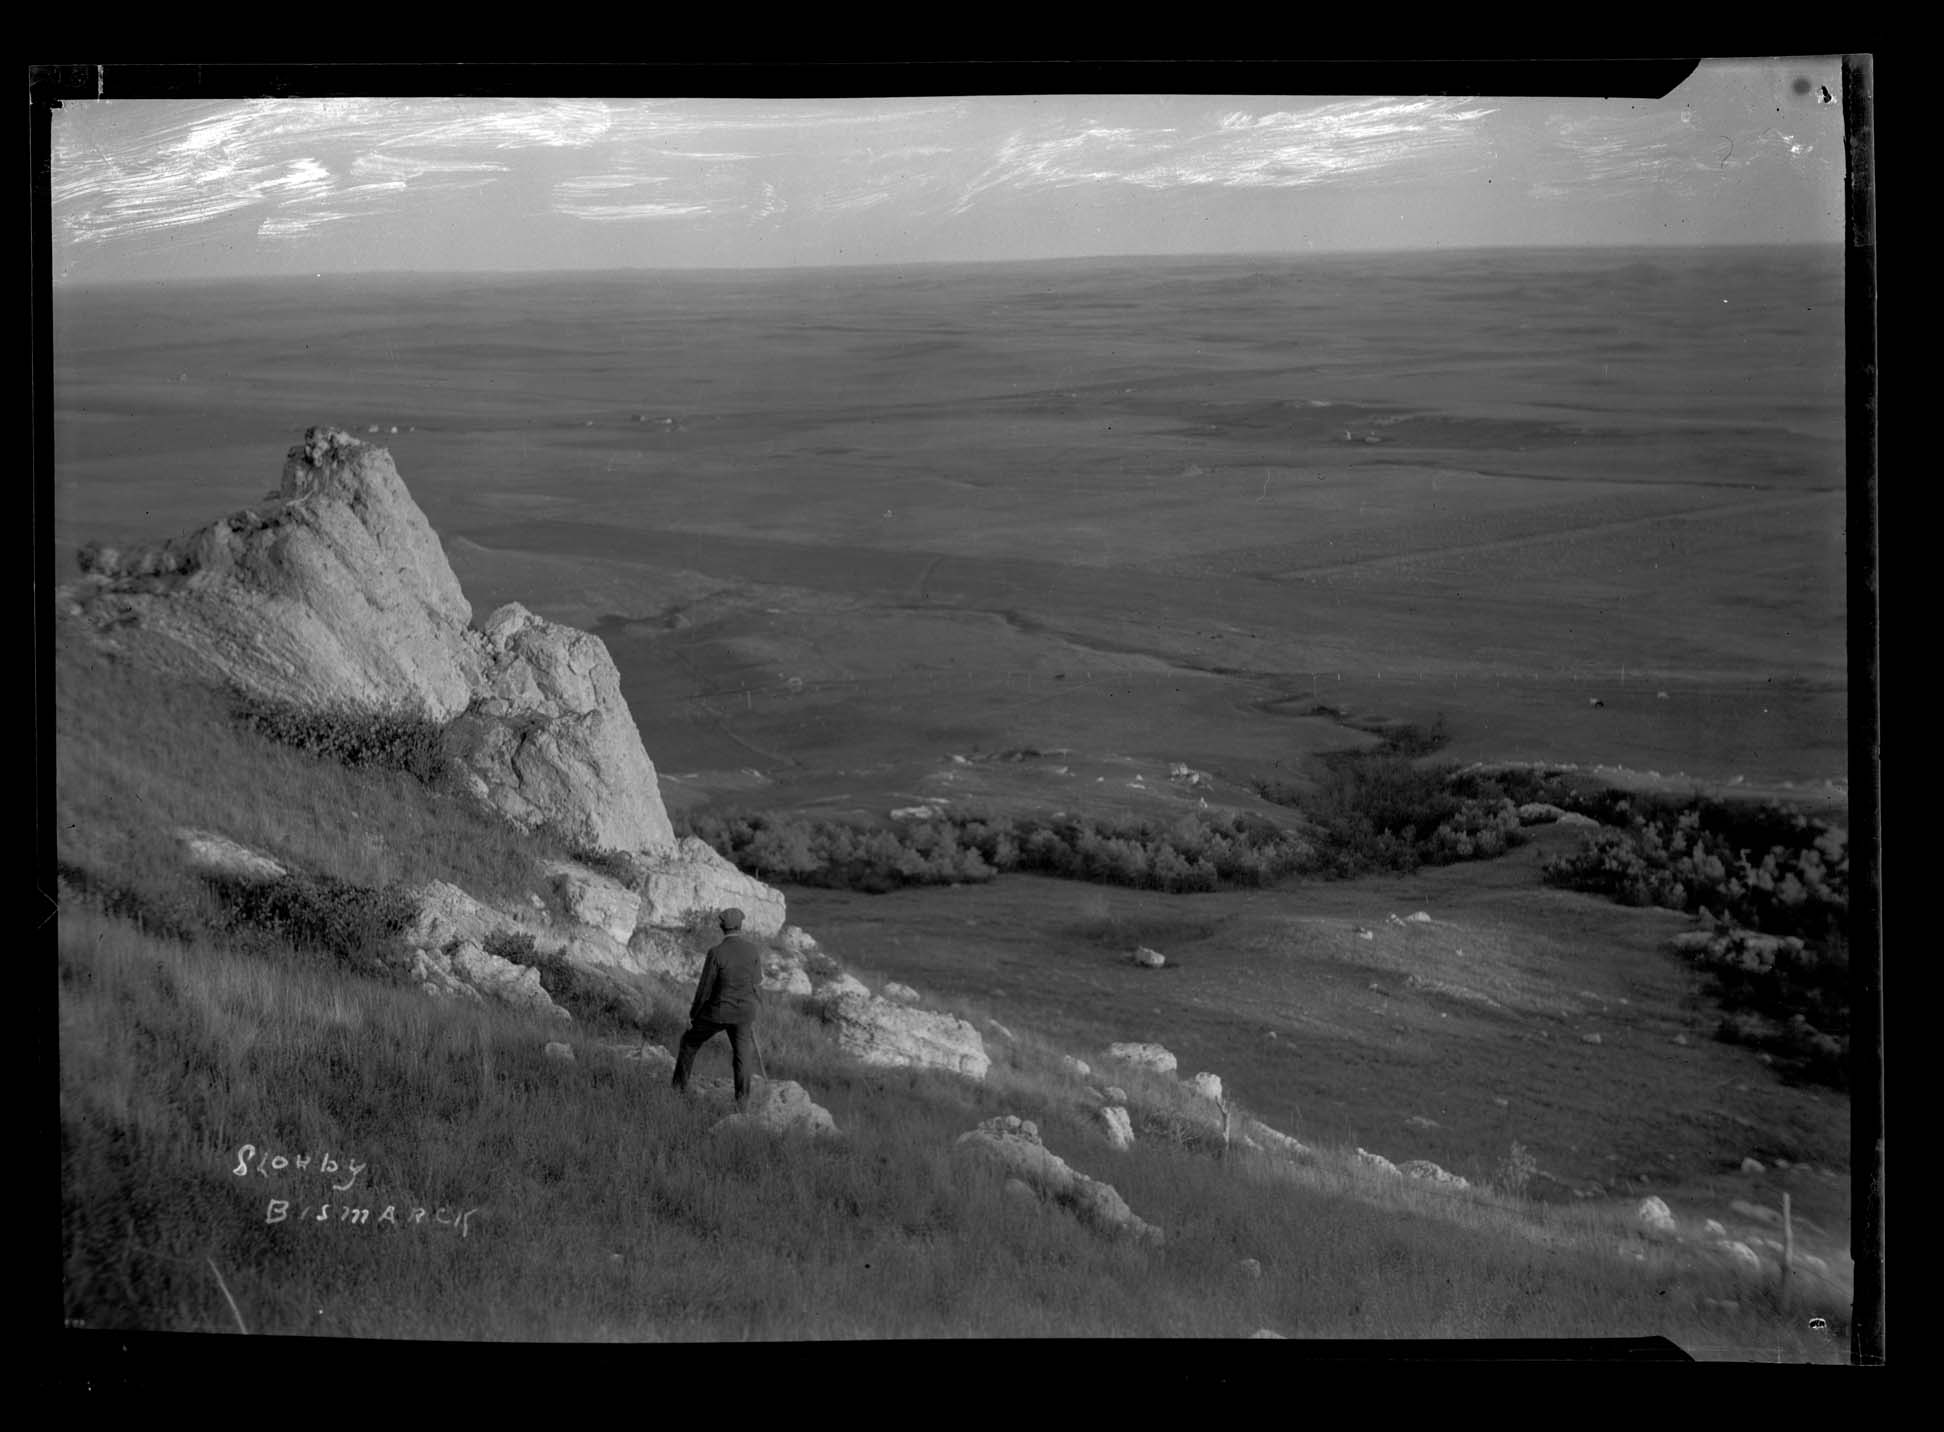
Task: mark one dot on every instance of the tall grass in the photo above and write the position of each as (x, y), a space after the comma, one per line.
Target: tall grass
(603, 1207)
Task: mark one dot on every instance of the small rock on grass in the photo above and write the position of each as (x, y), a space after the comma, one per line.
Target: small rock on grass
(557, 1050)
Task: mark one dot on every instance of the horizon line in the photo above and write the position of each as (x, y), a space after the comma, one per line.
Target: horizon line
(750, 270)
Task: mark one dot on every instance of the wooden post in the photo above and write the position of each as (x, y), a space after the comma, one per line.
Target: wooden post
(1788, 1249)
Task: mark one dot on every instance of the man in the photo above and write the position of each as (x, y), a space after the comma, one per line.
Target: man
(726, 1000)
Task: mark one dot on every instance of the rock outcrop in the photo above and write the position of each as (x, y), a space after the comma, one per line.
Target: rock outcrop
(1147, 1056)
(334, 595)
(693, 879)
(1015, 1144)
(595, 900)
(878, 1032)
(333, 592)
(1429, 1172)
(1257, 1135)
(219, 855)
(549, 740)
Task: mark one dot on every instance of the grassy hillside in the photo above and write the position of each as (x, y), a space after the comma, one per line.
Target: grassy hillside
(585, 1201)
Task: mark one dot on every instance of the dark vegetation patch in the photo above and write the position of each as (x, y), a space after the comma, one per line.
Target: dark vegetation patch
(1379, 810)
(316, 916)
(400, 739)
(1773, 885)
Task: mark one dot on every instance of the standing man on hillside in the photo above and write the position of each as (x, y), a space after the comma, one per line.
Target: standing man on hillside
(726, 1000)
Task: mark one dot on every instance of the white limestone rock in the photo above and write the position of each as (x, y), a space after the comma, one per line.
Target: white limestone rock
(1015, 1144)
(220, 855)
(598, 901)
(553, 739)
(1147, 1056)
(1655, 1216)
(693, 879)
(878, 1032)
(1120, 1129)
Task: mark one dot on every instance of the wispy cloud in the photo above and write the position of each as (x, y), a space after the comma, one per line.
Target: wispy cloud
(1279, 149)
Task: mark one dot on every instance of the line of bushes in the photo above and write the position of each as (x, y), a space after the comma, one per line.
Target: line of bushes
(1192, 853)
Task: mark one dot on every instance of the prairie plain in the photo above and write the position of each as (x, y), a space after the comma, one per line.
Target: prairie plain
(1032, 536)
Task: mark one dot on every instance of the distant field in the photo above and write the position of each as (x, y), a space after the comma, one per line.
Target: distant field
(856, 521)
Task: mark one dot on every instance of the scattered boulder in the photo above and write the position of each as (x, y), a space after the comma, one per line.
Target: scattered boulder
(1752, 1165)
(1419, 1121)
(1209, 1086)
(1654, 1215)
(1016, 1145)
(1429, 1172)
(783, 978)
(1376, 1161)
(1269, 1333)
(902, 993)
(1120, 1130)
(1077, 1067)
(501, 979)
(1417, 918)
(781, 1106)
(1249, 1268)
(1148, 1056)
(1258, 1135)
(878, 1032)
(1114, 1094)
(999, 1029)
(558, 1050)
(1589, 1039)
(1744, 1257)
(1148, 959)
(1714, 1229)
(598, 901)
(1759, 1212)
(695, 880)
(221, 856)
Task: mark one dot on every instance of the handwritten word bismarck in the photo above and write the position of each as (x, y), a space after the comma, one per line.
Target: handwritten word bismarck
(279, 1212)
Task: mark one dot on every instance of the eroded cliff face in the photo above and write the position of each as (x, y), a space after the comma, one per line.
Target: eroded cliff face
(334, 593)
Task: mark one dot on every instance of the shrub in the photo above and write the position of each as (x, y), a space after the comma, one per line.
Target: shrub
(401, 738)
(354, 924)
(1515, 1171)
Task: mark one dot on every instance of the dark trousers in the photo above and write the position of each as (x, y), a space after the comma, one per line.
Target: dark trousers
(742, 1052)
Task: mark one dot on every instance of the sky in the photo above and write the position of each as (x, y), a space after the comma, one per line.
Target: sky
(1744, 152)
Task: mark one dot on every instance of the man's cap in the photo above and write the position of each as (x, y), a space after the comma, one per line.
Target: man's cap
(732, 919)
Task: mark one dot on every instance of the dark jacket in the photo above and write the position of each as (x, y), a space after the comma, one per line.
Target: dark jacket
(730, 990)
